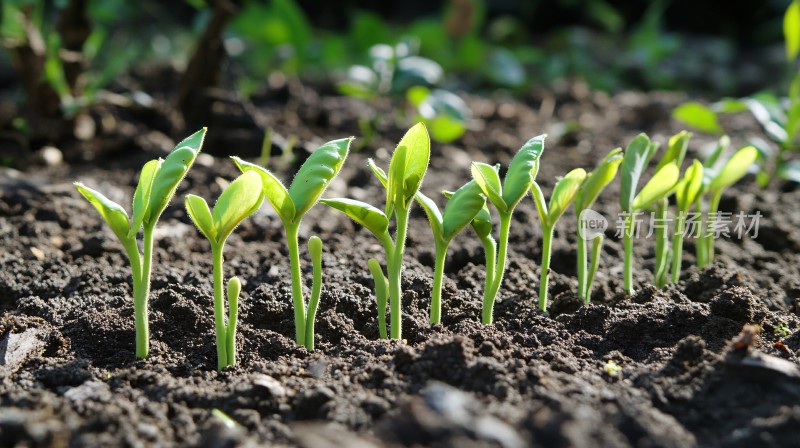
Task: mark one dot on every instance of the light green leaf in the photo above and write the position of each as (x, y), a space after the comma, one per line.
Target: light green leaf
(522, 171)
(241, 199)
(379, 173)
(676, 150)
(112, 213)
(418, 155)
(564, 193)
(462, 208)
(395, 193)
(689, 187)
(316, 173)
(198, 210)
(489, 182)
(368, 216)
(697, 116)
(482, 223)
(791, 30)
(273, 189)
(172, 171)
(735, 168)
(598, 179)
(637, 155)
(659, 187)
(141, 198)
(432, 210)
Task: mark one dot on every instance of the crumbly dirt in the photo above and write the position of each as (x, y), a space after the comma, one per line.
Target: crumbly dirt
(69, 377)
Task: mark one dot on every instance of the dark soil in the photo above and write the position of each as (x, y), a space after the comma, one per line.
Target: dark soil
(69, 377)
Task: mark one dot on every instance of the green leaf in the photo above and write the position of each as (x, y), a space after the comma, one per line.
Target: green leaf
(638, 153)
(522, 171)
(722, 145)
(273, 190)
(791, 30)
(316, 173)
(564, 193)
(141, 197)
(689, 187)
(698, 116)
(241, 199)
(482, 223)
(598, 179)
(676, 150)
(395, 194)
(112, 213)
(659, 187)
(462, 208)
(432, 210)
(379, 173)
(366, 215)
(735, 168)
(418, 155)
(172, 171)
(489, 182)
(198, 210)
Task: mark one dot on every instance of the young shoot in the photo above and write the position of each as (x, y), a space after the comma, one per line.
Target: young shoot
(715, 182)
(504, 196)
(637, 155)
(595, 182)
(291, 205)
(686, 193)
(461, 209)
(676, 152)
(241, 199)
(406, 170)
(564, 193)
(157, 184)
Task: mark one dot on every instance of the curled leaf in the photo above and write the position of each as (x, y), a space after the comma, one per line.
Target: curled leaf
(112, 213)
(488, 180)
(366, 215)
(598, 179)
(240, 200)
(735, 168)
(522, 171)
(564, 193)
(659, 187)
(316, 173)
(273, 189)
(637, 155)
(141, 198)
(172, 171)
(198, 211)
(461, 209)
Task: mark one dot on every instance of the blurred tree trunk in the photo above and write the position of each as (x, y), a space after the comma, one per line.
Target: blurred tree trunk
(203, 71)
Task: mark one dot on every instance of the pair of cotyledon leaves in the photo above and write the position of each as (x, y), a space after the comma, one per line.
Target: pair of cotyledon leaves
(239, 200)
(157, 184)
(309, 183)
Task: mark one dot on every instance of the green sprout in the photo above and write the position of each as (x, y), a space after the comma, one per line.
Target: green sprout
(291, 205)
(406, 170)
(637, 155)
(565, 191)
(461, 209)
(715, 182)
(157, 184)
(595, 182)
(676, 152)
(517, 182)
(687, 192)
(612, 369)
(241, 199)
(781, 330)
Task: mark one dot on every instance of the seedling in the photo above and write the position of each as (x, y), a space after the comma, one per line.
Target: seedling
(637, 155)
(687, 192)
(781, 330)
(460, 210)
(596, 181)
(676, 152)
(241, 199)
(715, 182)
(564, 193)
(291, 205)
(157, 184)
(505, 197)
(406, 170)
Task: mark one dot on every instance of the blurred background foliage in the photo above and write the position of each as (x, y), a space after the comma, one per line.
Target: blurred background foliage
(62, 56)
